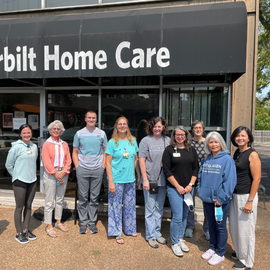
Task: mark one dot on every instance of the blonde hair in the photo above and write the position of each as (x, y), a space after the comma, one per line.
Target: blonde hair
(115, 135)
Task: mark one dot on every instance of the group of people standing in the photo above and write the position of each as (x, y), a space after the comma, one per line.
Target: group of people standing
(172, 166)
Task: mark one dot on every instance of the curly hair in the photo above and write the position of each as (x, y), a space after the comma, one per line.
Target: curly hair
(115, 135)
(187, 142)
(153, 121)
(58, 124)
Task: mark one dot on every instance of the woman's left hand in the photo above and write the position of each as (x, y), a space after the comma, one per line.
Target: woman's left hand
(188, 189)
(217, 202)
(248, 208)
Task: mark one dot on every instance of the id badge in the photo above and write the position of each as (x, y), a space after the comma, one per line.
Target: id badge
(176, 155)
(125, 154)
(28, 151)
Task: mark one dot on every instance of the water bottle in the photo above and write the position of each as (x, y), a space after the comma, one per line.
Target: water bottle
(218, 213)
(58, 183)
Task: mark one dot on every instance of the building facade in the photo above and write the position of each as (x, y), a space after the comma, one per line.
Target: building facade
(183, 60)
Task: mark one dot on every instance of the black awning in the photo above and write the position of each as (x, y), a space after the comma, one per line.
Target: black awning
(203, 39)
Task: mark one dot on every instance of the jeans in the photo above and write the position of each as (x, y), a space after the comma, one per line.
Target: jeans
(88, 179)
(190, 217)
(179, 214)
(153, 212)
(218, 232)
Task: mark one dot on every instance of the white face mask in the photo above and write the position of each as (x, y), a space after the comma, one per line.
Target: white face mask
(189, 201)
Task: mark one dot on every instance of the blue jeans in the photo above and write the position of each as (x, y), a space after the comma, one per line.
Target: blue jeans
(153, 212)
(190, 218)
(179, 214)
(218, 232)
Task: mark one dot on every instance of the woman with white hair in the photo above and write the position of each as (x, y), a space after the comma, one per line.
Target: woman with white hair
(216, 183)
(56, 160)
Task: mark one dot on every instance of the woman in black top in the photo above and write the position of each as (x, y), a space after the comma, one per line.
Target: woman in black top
(180, 166)
(243, 209)
(197, 128)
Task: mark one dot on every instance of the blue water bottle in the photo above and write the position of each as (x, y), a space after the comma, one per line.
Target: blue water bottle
(218, 213)
(58, 183)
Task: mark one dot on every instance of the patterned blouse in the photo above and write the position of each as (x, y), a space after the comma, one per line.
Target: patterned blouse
(199, 147)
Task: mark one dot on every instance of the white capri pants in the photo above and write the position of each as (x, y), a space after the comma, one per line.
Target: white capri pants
(53, 193)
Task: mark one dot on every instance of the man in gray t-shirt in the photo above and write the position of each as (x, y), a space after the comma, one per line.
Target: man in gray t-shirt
(88, 156)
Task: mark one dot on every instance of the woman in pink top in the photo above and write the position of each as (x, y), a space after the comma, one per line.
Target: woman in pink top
(56, 161)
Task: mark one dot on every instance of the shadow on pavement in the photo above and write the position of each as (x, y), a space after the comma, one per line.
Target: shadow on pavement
(3, 225)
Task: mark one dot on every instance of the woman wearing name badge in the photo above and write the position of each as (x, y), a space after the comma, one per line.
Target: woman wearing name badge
(56, 161)
(216, 182)
(197, 128)
(21, 165)
(121, 161)
(150, 155)
(243, 209)
(180, 165)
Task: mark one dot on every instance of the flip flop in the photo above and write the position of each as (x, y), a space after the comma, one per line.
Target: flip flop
(134, 235)
(119, 237)
(51, 232)
(61, 227)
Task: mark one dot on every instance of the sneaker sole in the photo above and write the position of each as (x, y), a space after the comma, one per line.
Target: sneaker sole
(93, 232)
(31, 239)
(21, 242)
(216, 263)
(178, 255)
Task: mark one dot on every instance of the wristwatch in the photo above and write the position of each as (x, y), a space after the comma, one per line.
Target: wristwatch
(249, 200)
(191, 184)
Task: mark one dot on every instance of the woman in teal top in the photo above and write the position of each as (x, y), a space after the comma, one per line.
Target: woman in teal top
(121, 161)
(21, 165)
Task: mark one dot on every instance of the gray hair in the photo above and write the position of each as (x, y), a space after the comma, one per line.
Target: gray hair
(194, 123)
(187, 142)
(217, 137)
(56, 123)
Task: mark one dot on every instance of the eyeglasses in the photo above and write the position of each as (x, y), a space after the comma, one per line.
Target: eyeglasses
(180, 135)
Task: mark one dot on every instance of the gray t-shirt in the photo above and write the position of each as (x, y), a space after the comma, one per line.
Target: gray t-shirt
(152, 150)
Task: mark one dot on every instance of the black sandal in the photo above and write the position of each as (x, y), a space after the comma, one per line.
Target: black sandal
(119, 237)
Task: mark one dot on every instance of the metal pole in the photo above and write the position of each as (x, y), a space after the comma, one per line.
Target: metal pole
(160, 95)
(229, 118)
(99, 103)
(43, 4)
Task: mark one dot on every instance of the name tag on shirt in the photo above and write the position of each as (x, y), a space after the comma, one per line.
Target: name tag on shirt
(28, 151)
(176, 155)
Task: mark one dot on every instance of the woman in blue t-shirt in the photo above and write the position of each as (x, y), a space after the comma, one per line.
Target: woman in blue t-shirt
(121, 161)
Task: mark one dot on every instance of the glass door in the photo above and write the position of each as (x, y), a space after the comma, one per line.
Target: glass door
(17, 109)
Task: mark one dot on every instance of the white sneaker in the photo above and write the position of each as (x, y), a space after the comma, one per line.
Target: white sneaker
(216, 259)
(183, 246)
(208, 254)
(177, 250)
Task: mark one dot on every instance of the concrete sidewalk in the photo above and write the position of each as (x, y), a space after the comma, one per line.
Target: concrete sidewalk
(97, 251)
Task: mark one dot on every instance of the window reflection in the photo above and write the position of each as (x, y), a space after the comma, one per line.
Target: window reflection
(181, 106)
(13, 5)
(134, 104)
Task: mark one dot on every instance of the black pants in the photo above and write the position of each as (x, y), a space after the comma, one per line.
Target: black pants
(24, 196)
